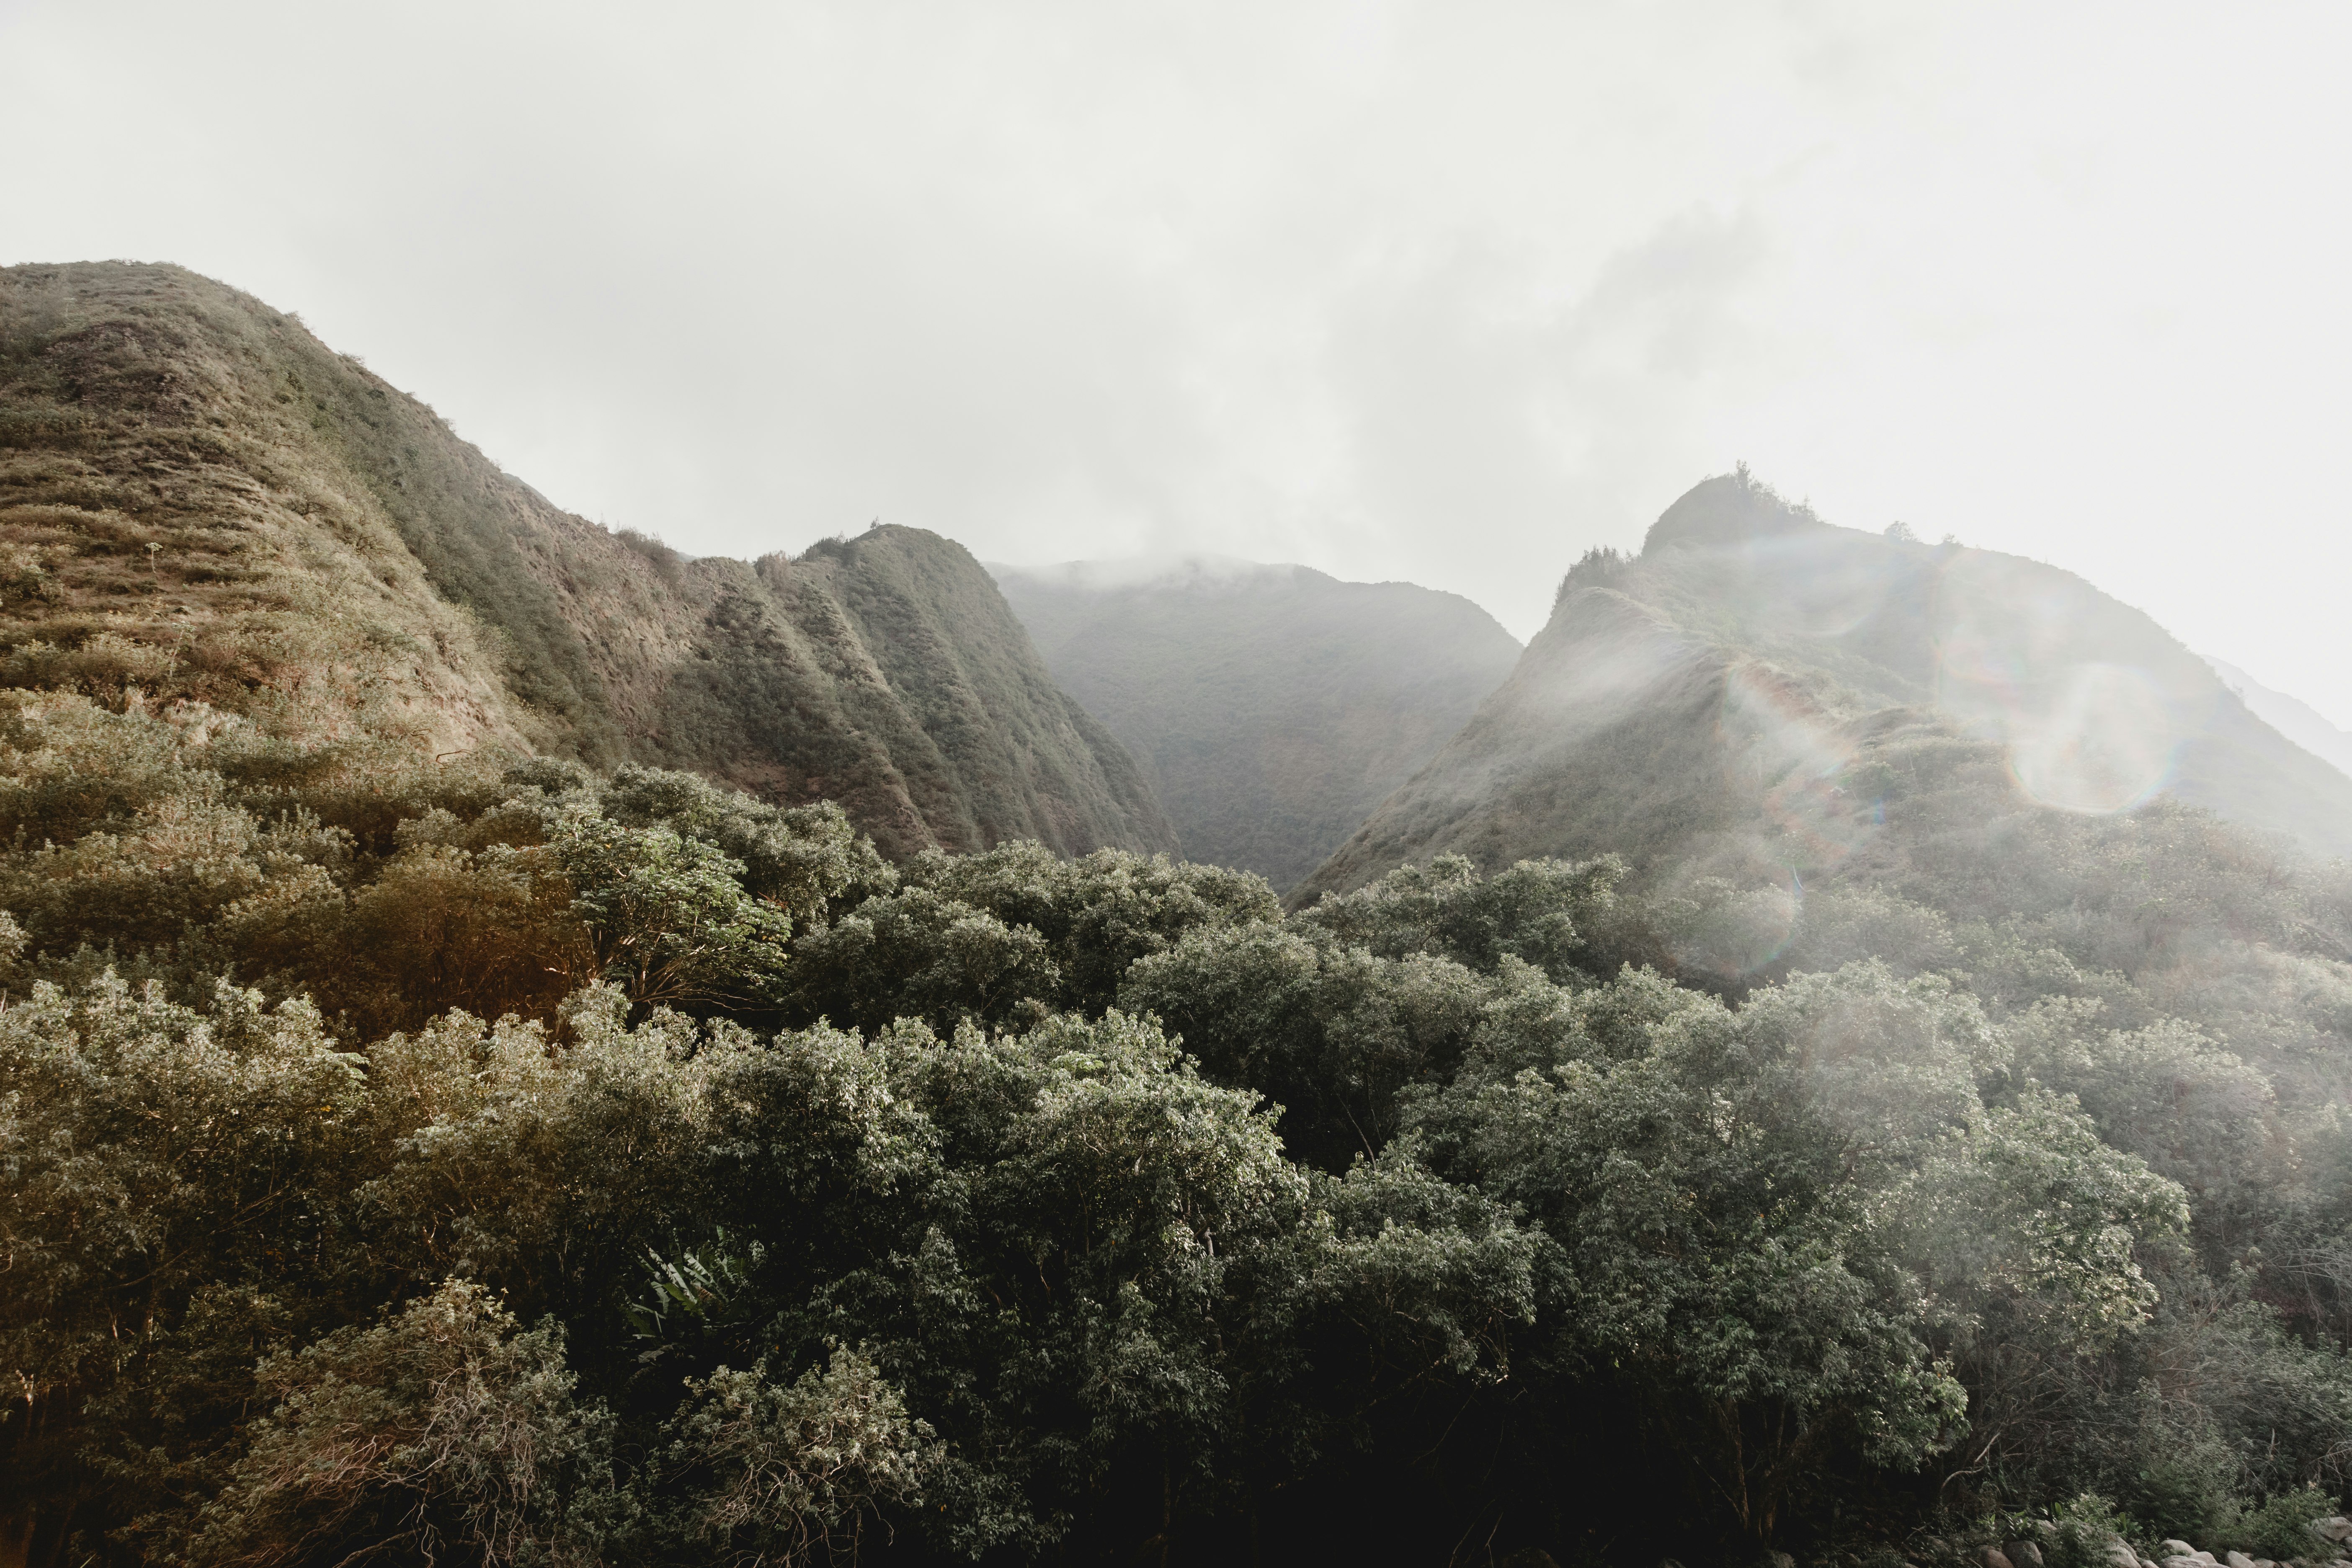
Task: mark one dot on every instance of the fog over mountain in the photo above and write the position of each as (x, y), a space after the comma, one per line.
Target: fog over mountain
(1412, 290)
(1714, 702)
(2290, 716)
(1271, 707)
(1122, 785)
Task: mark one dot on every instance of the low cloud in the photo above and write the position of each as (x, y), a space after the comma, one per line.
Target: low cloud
(1440, 292)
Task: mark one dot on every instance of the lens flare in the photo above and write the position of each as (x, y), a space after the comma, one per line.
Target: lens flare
(2106, 742)
(1736, 934)
(2083, 734)
(1800, 754)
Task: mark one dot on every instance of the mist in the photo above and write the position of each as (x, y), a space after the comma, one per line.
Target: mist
(1439, 293)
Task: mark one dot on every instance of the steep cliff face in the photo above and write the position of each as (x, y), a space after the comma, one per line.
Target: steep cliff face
(199, 502)
(1272, 707)
(1747, 693)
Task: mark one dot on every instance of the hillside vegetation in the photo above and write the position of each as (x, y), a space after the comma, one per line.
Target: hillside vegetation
(199, 502)
(1272, 708)
(1813, 747)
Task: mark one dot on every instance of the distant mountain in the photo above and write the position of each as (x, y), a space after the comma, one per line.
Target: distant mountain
(1760, 697)
(1271, 707)
(199, 501)
(2297, 720)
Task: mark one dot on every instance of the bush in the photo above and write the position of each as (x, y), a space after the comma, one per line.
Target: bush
(444, 1430)
(2279, 1527)
(772, 1472)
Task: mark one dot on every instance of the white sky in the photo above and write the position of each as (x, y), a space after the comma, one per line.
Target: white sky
(1447, 292)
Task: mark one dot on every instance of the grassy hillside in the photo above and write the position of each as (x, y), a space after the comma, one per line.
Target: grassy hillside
(1272, 707)
(201, 503)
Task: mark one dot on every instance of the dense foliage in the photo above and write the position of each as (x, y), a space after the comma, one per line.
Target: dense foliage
(409, 1163)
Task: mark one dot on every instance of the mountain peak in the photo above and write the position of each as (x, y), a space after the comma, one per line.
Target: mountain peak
(1736, 697)
(1728, 510)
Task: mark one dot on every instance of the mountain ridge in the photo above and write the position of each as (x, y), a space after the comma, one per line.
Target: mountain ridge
(1271, 706)
(201, 501)
(1752, 653)
(2291, 716)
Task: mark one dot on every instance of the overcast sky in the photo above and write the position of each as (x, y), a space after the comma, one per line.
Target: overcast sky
(1447, 292)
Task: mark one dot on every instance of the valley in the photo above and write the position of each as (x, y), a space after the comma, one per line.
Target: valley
(519, 1045)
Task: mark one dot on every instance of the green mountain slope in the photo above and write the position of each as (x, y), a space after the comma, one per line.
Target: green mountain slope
(199, 502)
(1756, 695)
(1272, 707)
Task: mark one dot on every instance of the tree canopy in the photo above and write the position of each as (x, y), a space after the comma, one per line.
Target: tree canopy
(515, 1164)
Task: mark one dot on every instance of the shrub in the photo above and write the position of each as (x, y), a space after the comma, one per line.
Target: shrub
(2279, 1528)
(783, 1473)
(444, 1430)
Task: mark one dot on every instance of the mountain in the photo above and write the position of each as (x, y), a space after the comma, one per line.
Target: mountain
(1759, 696)
(200, 502)
(2297, 720)
(1938, 1124)
(1271, 707)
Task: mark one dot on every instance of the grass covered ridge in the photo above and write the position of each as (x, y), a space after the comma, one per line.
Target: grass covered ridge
(199, 502)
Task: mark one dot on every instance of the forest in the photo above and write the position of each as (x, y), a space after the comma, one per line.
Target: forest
(494, 1160)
